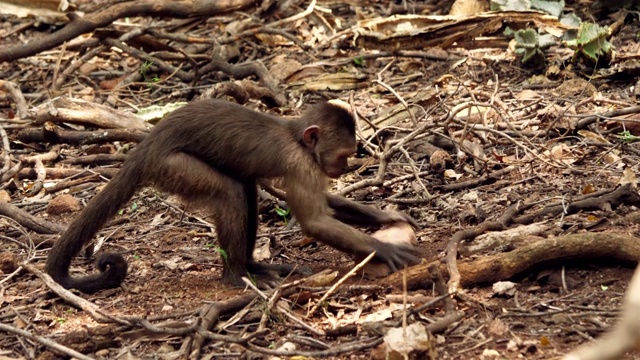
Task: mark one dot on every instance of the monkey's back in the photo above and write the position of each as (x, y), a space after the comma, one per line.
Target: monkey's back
(229, 137)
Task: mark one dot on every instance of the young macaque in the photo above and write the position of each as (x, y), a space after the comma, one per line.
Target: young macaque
(212, 153)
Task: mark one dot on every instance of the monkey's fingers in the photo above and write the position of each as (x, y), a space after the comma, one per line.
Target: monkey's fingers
(398, 216)
(412, 221)
(268, 284)
(304, 271)
(407, 258)
(396, 256)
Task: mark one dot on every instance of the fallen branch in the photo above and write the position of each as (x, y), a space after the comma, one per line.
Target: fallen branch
(243, 70)
(606, 201)
(65, 184)
(142, 56)
(471, 183)
(492, 268)
(94, 311)
(82, 25)
(61, 173)
(7, 171)
(33, 135)
(21, 104)
(210, 315)
(342, 349)
(38, 165)
(95, 159)
(44, 341)
(83, 112)
(29, 221)
(607, 115)
(471, 233)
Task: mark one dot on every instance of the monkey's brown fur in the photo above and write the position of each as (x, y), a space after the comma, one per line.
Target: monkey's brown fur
(212, 152)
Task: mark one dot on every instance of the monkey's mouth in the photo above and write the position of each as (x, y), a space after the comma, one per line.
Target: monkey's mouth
(334, 174)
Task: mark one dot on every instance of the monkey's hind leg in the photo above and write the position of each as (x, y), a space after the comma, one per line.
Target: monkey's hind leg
(234, 209)
(236, 219)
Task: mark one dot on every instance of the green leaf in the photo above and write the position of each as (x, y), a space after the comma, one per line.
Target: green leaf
(627, 137)
(145, 66)
(530, 45)
(546, 40)
(527, 38)
(588, 32)
(571, 20)
(510, 5)
(593, 39)
(509, 32)
(282, 212)
(591, 42)
(553, 7)
(223, 253)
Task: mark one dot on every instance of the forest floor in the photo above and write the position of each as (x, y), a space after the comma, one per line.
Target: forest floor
(527, 157)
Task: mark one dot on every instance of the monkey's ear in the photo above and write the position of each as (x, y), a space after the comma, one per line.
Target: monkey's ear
(311, 135)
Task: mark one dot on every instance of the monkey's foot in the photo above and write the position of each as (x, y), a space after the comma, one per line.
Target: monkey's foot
(280, 269)
(261, 281)
(265, 276)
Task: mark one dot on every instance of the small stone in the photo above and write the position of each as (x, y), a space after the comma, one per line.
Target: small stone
(103, 353)
(490, 353)
(504, 288)
(415, 343)
(63, 204)
(8, 262)
(398, 234)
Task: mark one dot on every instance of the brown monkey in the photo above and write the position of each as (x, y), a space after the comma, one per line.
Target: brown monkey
(212, 152)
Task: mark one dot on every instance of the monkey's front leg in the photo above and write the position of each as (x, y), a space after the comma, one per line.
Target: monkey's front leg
(354, 213)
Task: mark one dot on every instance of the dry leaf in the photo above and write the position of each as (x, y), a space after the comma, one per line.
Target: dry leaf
(628, 177)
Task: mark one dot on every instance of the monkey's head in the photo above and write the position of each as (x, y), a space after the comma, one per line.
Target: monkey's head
(330, 136)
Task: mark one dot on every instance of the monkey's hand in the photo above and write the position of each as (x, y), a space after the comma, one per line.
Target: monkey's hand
(393, 216)
(396, 256)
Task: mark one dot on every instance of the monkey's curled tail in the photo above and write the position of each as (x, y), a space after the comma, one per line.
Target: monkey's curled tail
(113, 267)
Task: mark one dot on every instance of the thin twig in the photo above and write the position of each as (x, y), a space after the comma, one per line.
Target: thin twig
(340, 282)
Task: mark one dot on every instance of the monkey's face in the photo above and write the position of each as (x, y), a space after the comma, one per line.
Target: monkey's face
(334, 163)
(331, 147)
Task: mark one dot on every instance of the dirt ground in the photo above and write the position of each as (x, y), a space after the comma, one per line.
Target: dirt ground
(529, 133)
